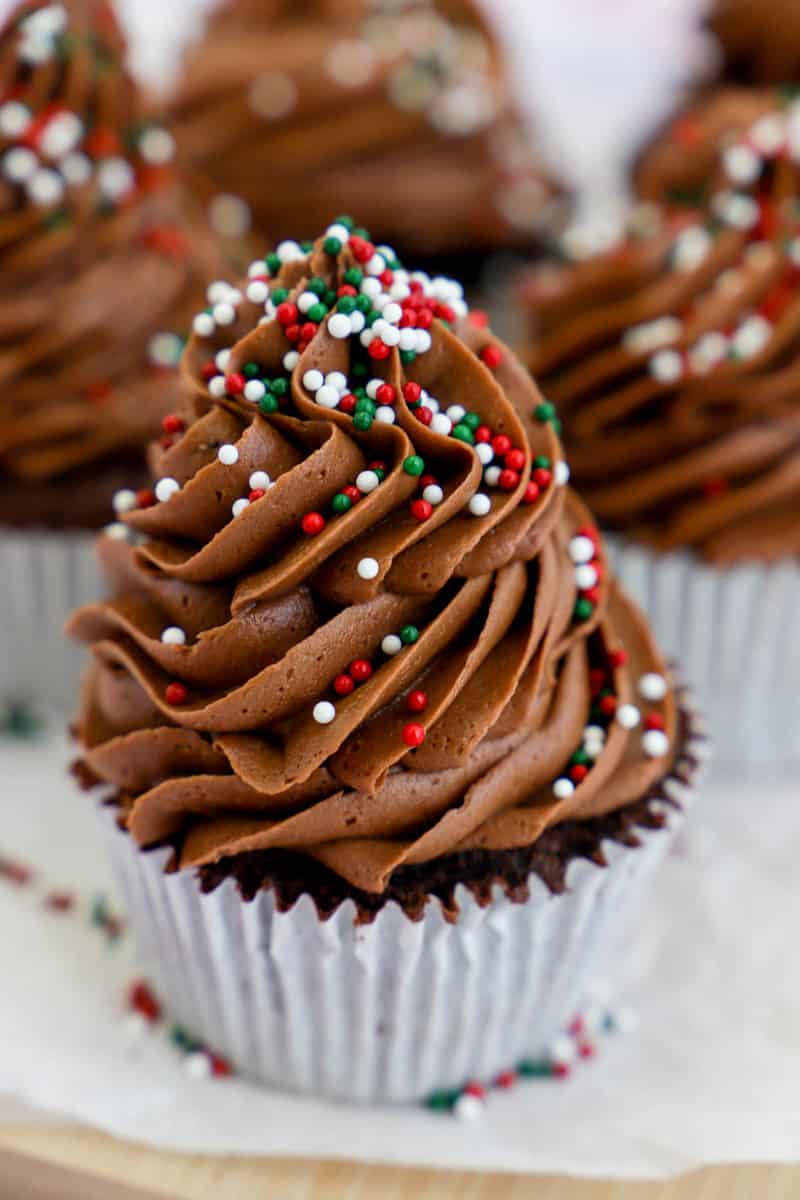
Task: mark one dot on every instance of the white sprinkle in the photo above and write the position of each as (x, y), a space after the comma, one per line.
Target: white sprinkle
(336, 379)
(385, 414)
(371, 288)
(423, 341)
(259, 480)
(306, 300)
(368, 568)
(222, 359)
(203, 325)
(408, 339)
(166, 488)
(228, 454)
(20, 164)
(441, 424)
(313, 381)
(366, 337)
(433, 494)
(115, 178)
(367, 481)
(117, 531)
(742, 164)
(389, 335)
(324, 712)
(392, 313)
(628, 716)
(238, 506)
(376, 265)
(655, 743)
(491, 476)
(173, 635)
(218, 291)
(257, 269)
(272, 95)
(652, 686)
(562, 788)
(257, 292)
(357, 322)
(124, 500)
(768, 134)
(327, 397)
(480, 504)
(216, 386)
(164, 349)
(157, 146)
(666, 366)
(290, 359)
(689, 250)
(338, 231)
(594, 733)
(339, 326)
(135, 1026)
(224, 314)
(197, 1065)
(76, 168)
(14, 118)
(468, 1107)
(581, 550)
(289, 251)
(229, 216)
(391, 645)
(254, 390)
(563, 1049)
(484, 452)
(751, 337)
(585, 577)
(456, 412)
(561, 473)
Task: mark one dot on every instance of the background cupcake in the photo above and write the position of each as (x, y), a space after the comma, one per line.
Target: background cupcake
(365, 662)
(401, 112)
(104, 262)
(672, 360)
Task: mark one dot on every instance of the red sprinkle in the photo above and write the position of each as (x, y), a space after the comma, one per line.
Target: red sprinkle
(360, 669)
(385, 394)
(210, 369)
(220, 1067)
(492, 355)
(142, 999)
(561, 1070)
(515, 459)
(377, 464)
(426, 480)
(608, 705)
(483, 434)
(234, 383)
(307, 331)
(506, 1080)
(378, 349)
(172, 423)
(420, 509)
(475, 1089)
(60, 902)
(256, 494)
(508, 480)
(347, 403)
(175, 693)
(413, 734)
(586, 1050)
(654, 721)
(292, 332)
(347, 289)
(543, 477)
(478, 318)
(578, 773)
(531, 493)
(501, 444)
(145, 498)
(286, 313)
(417, 701)
(592, 594)
(597, 679)
(618, 658)
(412, 393)
(351, 491)
(313, 523)
(343, 685)
(423, 415)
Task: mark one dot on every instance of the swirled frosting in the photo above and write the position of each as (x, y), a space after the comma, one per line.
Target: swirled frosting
(370, 105)
(760, 43)
(103, 257)
(362, 618)
(673, 359)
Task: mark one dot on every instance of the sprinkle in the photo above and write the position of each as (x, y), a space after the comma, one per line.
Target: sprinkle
(367, 481)
(441, 424)
(628, 716)
(360, 670)
(228, 454)
(197, 1065)
(224, 314)
(254, 390)
(117, 531)
(173, 635)
(327, 397)
(238, 506)
(480, 505)
(433, 494)
(666, 366)
(492, 356)
(561, 473)
(203, 325)
(652, 687)
(157, 146)
(585, 576)
(175, 694)
(166, 488)
(368, 568)
(468, 1107)
(313, 381)
(343, 685)
(417, 701)
(313, 523)
(324, 712)
(124, 500)
(655, 743)
(413, 734)
(581, 549)
(413, 465)
(391, 645)
(562, 788)
(420, 510)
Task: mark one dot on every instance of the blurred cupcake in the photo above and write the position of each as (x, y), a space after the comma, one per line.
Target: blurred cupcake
(673, 362)
(410, 752)
(400, 111)
(103, 261)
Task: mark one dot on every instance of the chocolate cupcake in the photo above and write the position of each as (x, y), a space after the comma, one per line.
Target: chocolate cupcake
(401, 111)
(403, 752)
(672, 359)
(104, 260)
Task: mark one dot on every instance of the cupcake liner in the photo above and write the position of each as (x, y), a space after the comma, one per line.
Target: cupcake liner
(396, 1009)
(45, 577)
(736, 633)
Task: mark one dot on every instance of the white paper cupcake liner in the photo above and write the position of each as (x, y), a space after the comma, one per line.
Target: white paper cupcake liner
(736, 634)
(393, 1010)
(45, 576)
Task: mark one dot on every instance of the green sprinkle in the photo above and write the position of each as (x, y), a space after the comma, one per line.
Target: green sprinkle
(341, 503)
(268, 404)
(318, 286)
(545, 411)
(371, 317)
(306, 247)
(407, 356)
(542, 461)
(361, 232)
(580, 759)
(279, 295)
(362, 421)
(413, 465)
(463, 433)
(363, 304)
(583, 609)
(354, 276)
(251, 370)
(471, 419)
(348, 223)
(329, 297)
(531, 1068)
(364, 404)
(273, 263)
(347, 304)
(441, 1101)
(332, 246)
(279, 387)
(555, 425)
(316, 313)
(409, 634)
(379, 471)
(359, 370)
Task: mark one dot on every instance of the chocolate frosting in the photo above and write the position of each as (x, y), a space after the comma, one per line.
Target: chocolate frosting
(102, 255)
(400, 111)
(673, 360)
(760, 43)
(365, 620)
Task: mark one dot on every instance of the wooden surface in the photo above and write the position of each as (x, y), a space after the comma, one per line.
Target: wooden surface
(142, 1174)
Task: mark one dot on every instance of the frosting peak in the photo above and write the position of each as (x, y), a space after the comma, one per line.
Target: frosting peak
(361, 616)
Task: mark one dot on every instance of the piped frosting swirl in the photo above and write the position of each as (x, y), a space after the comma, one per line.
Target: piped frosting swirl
(362, 616)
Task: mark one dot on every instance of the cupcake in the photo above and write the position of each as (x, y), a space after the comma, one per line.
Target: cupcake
(672, 360)
(759, 43)
(388, 755)
(399, 110)
(104, 261)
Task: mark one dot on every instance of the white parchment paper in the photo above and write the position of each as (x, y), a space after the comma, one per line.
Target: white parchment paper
(710, 1076)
